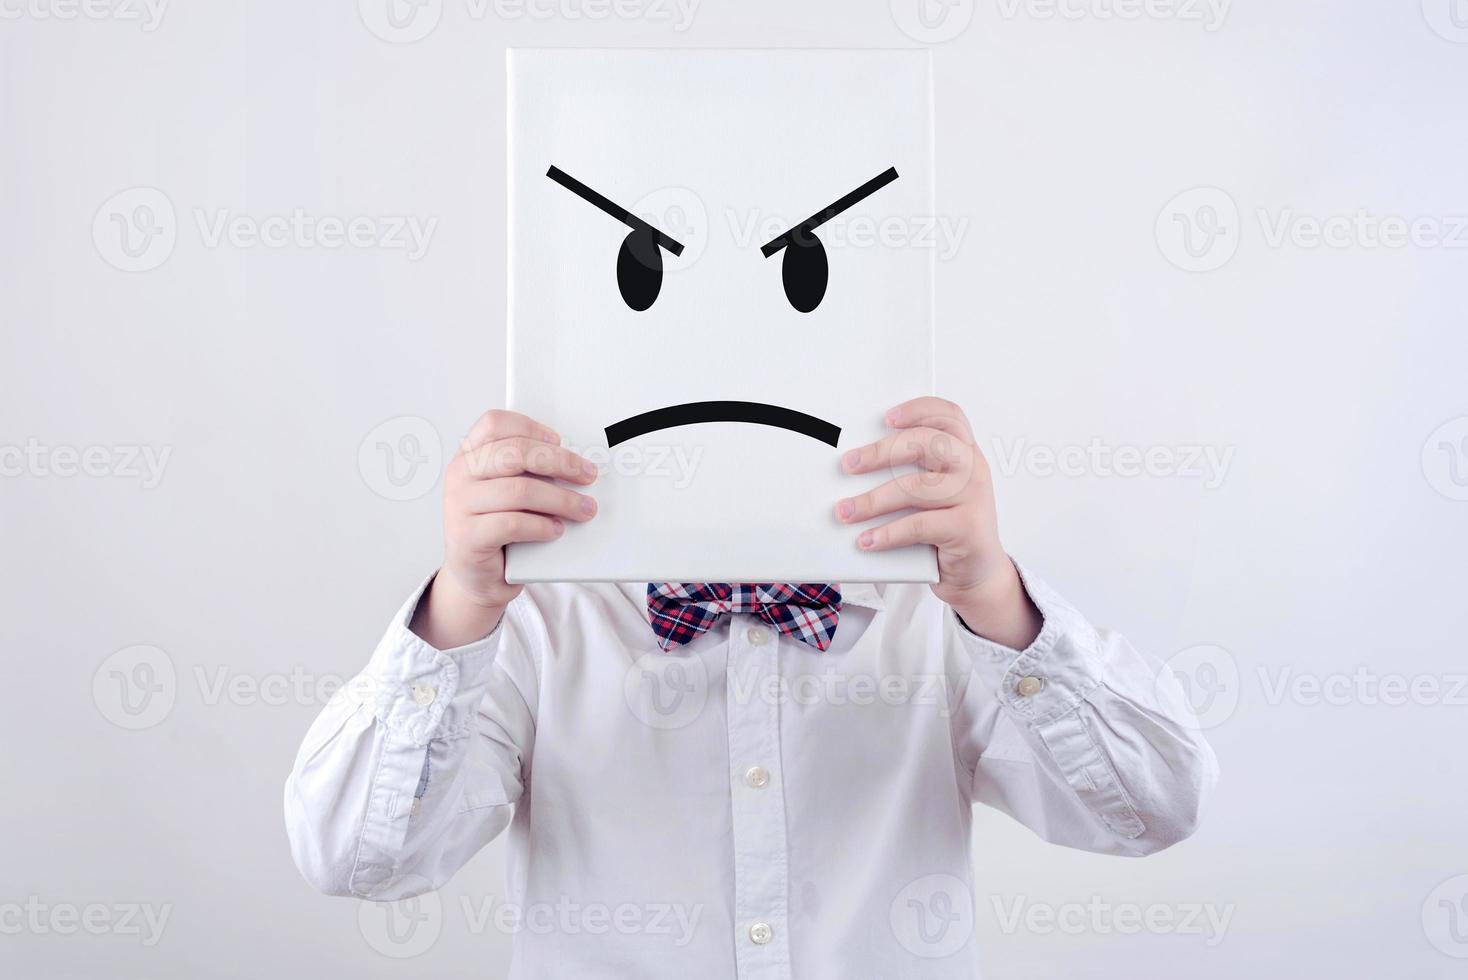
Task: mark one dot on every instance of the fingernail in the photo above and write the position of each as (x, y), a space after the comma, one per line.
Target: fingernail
(866, 539)
(852, 458)
(588, 467)
(892, 416)
(588, 506)
(558, 524)
(845, 509)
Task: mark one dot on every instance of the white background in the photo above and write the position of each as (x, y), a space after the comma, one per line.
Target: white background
(1327, 551)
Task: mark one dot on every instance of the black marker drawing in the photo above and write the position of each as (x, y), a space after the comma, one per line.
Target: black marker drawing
(639, 261)
(692, 413)
(805, 269)
(640, 278)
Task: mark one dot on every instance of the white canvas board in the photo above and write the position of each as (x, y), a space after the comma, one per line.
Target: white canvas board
(654, 196)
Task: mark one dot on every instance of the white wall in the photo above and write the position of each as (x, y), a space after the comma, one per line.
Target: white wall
(1332, 540)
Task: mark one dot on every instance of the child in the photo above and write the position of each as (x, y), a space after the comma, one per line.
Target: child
(737, 781)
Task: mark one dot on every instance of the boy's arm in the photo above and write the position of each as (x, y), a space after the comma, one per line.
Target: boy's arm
(1077, 735)
(416, 763)
(419, 761)
(1065, 727)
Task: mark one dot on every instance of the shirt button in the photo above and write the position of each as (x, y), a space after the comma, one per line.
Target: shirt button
(761, 933)
(757, 776)
(758, 635)
(424, 694)
(1029, 686)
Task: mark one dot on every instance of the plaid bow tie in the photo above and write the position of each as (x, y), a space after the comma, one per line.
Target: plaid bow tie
(682, 611)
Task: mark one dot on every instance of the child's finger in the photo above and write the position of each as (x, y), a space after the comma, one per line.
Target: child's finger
(490, 531)
(937, 527)
(930, 448)
(935, 413)
(924, 491)
(500, 423)
(522, 454)
(526, 493)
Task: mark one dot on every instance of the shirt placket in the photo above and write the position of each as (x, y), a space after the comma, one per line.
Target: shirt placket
(757, 795)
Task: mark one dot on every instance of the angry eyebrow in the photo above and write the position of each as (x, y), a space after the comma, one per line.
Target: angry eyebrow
(615, 210)
(821, 217)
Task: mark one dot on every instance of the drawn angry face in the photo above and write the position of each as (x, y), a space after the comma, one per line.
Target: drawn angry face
(804, 271)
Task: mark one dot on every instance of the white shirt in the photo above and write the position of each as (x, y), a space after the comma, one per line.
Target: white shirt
(744, 806)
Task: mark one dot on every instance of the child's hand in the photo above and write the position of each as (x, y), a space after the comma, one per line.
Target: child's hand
(492, 497)
(954, 497)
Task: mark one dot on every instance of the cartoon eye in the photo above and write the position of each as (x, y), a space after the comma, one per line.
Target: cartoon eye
(640, 259)
(640, 269)
(805, 271)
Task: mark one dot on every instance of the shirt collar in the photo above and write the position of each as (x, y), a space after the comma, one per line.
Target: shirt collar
(862, 594)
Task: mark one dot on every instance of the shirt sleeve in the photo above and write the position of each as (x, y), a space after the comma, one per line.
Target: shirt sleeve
(417, 762)
(1079, 737)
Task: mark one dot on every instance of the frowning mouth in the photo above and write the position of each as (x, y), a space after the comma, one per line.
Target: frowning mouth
(692, 413)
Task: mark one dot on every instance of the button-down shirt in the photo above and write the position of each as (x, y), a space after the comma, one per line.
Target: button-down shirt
(745, 806)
